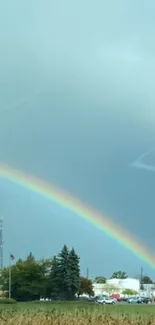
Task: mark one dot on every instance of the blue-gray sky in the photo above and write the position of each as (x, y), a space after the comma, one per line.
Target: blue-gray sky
(76, 109)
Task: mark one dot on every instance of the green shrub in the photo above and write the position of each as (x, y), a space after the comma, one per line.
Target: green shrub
(7, 301)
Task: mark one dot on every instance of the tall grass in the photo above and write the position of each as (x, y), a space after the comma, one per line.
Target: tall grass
(68, 314)
(25, 319)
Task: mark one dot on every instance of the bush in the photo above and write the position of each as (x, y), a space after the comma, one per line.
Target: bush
(7, 301)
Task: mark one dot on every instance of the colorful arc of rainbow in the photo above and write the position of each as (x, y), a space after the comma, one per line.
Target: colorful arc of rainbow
(63, 199)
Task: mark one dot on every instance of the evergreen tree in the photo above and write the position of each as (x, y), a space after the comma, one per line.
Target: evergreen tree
(64, 273)
(54, 283)
(74, 272)
(57, 278)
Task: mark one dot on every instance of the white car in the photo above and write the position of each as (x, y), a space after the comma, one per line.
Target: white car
(132, 300)
(108, 301)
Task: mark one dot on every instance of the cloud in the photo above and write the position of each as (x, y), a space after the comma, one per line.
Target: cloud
(139, 163)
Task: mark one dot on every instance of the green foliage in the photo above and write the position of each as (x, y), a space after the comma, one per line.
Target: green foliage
(100, 279)
(146, 280)
(86, 287)
(54, 287)
(56, 278)
(129, 292)
(7, 301)
(27, 279)
(64, 273)
(119, 275)
(74, 272)
(67, 274)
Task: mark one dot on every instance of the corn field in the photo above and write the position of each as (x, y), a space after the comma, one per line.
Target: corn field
(74, 317)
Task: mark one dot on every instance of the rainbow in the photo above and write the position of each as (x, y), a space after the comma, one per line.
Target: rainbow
(77, 207)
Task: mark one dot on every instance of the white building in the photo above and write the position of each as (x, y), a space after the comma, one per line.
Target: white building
(116, 286)
(98, 289)
(123, 284)
(148, 290)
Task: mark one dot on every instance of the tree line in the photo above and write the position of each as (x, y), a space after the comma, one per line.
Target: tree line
(57, 278)
(145, 279)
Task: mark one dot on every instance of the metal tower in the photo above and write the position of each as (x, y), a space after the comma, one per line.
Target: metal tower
(1, 242)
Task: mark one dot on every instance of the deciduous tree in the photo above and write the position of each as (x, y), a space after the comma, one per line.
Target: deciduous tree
(86, 287)
(56, 278)
(119, 275)
(100, 279)
(26, 279)
(129, 292)
(146, 280)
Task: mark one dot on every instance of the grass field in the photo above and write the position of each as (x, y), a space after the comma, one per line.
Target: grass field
(75, 314)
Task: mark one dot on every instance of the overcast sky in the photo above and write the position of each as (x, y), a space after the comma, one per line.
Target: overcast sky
(77, 107)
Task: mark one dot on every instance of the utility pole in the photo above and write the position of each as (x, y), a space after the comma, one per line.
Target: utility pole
(11, 258)
(10, 277)
(1, 243)
(87, 273)
(141, 279)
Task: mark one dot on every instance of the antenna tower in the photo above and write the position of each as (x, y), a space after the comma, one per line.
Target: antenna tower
(1, 243)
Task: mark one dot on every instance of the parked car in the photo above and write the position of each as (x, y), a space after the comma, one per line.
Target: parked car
(143, 300)
(133, 300)
(122, 299)
(115, 299)
(107, 301)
